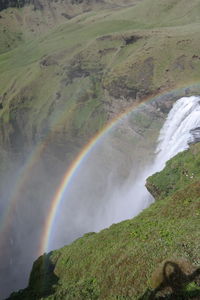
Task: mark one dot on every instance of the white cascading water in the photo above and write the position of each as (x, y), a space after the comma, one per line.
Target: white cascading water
(176, 131)
(174, 137)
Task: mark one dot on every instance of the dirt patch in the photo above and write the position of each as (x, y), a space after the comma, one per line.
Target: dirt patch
(145, 74)
(179, 63)
(48, 61)
(104, 38)
(106, 51)
(68, 17)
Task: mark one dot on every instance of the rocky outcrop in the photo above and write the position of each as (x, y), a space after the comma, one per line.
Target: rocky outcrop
(40, 4)
(13, 3)
(195, 135)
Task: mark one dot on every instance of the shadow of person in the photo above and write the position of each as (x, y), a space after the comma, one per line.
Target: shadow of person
(175, 280)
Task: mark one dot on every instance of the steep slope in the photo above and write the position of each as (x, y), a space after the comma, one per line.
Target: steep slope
(67, 68)
(117, 263)
(26, 19)
(111, 58)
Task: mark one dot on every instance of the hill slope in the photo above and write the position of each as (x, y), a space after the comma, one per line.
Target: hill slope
(67, 68)
(91, 67)
(117, 263)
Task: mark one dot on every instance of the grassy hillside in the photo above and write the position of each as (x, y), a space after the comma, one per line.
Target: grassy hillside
(118, 262)
(67, 67)
(124, 53)
(77, 73)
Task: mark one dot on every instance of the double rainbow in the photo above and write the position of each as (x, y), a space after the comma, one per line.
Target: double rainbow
(74, 167)
(58, 198)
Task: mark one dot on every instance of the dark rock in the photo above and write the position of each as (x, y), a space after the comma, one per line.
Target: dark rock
(48, 61)
(13, 3)
(195, 136)
(58, 95)
(37, 4)
(66, 16)
(131, 39)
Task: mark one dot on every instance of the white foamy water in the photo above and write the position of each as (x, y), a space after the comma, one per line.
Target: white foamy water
(174, 138)
(175, 133)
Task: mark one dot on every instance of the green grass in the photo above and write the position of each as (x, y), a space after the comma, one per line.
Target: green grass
(118, 262)
(121, 66)
(185, 172)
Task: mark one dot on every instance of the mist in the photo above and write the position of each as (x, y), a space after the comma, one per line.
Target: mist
(108, 187)
(98, 198)
(96, 191)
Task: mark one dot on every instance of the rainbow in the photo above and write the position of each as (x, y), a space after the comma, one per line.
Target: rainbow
(25, 171)
(24, 174)
(17, 190)
(57, 200)
(75, 165)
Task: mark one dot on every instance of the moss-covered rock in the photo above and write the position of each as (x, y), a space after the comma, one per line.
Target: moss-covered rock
(181, 171)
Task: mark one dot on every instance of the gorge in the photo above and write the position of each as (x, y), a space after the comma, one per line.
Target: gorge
(118, 201)
(85, 88)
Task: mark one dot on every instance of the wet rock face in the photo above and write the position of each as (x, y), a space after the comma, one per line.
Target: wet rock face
(38, 4)
(195, 135)
(12, 3)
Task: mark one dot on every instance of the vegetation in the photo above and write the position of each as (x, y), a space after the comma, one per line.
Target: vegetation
(108, 56)
(118, 262)
(63, 76)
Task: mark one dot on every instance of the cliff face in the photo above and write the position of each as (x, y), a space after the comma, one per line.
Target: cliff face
(118, 262)
(39, 4)
(12, 3)
(113, 60)
(115, 63)
(42, 4)
(179, 172)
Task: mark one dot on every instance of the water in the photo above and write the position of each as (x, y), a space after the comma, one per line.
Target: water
(84, 210)
(175, 136)
(176, 131)
(98, 197)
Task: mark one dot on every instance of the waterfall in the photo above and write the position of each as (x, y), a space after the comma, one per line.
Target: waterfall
(90, 208)
(177, 131)
(176, 134)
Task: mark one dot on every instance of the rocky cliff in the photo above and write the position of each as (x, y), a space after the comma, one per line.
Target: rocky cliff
(41, 4)
(12, 3)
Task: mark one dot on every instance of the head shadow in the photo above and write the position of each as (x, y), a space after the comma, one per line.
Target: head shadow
(175, 284)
